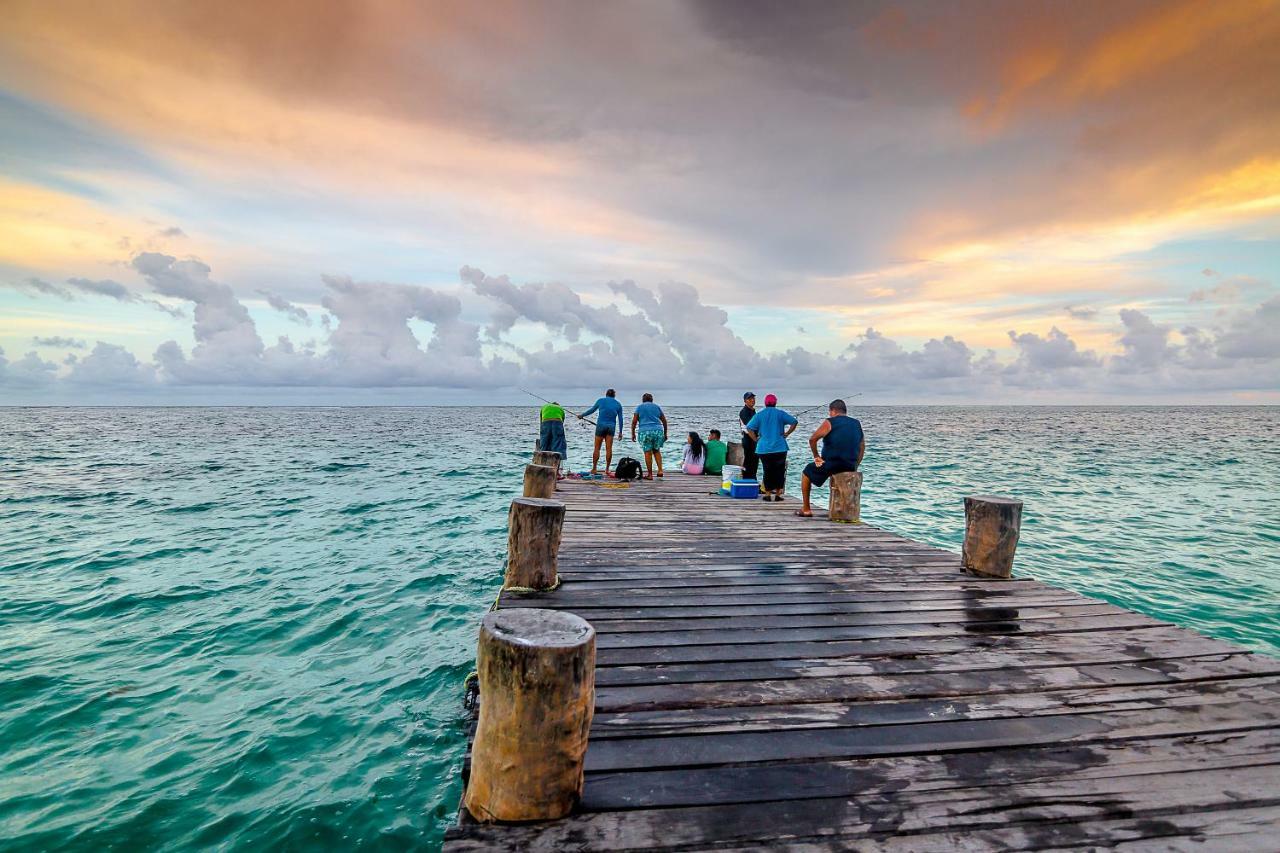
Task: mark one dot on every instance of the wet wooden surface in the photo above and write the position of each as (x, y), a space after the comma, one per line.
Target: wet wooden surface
(764, 680)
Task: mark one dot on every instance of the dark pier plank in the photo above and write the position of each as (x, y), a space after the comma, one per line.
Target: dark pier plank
(764, 680)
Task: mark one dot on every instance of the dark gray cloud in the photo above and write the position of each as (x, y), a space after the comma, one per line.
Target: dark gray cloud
(59, 342)
(284, 306)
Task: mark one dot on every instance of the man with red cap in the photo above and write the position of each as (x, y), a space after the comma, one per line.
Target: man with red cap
(769, 429)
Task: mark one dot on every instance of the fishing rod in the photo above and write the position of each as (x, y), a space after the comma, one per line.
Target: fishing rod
(554, 403)
(821, 405)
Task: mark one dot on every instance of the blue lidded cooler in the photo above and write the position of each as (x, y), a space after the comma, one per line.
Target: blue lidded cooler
(744, 489)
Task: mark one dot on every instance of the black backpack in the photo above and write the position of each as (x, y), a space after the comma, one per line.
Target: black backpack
(628, 469)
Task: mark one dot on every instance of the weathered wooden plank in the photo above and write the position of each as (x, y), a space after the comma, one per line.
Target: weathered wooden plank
(1084, 648)
(1047, 805)
(741, 718)
(1118, 618)
(908, 642)
(934, 737)
(885, 776)
(1025, 678)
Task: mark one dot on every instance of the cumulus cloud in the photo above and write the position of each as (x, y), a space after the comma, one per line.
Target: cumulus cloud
(662, 338)
(111, 366)
(1253, 334)
(59, 342)
(30, 371)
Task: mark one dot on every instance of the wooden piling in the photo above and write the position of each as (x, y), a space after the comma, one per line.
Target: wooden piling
(846, 497)
(991, 526)
(539, 481)
(537, 698)
(735, 454)
(533, 542)
(547, 457)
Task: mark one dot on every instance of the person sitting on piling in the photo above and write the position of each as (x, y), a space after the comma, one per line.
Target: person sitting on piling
(769, 430)
(608, 425)
(551, 430)
(649, 417)
(717, 452)
(695, 454)
(843, 446)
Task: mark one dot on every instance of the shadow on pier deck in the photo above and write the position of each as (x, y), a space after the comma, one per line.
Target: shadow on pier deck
(764, 680)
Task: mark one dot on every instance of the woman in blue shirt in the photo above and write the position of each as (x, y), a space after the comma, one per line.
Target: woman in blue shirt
(769, 429)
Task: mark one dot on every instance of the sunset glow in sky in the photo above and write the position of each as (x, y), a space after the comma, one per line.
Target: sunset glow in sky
(439, 202)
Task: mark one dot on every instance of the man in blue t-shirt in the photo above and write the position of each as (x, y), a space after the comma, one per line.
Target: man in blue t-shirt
(843, 446)
(652, 423)
(608, 425)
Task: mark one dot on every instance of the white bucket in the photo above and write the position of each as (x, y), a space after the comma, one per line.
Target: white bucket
(733, 472)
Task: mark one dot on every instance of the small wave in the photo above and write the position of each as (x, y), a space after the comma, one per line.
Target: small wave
(332, 467)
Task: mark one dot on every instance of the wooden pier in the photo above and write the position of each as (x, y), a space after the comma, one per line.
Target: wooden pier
(764, 680)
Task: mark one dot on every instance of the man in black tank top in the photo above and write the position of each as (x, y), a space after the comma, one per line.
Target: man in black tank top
(843, 446)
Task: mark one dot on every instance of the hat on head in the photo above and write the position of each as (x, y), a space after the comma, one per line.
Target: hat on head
(770, 399)
(748, 395)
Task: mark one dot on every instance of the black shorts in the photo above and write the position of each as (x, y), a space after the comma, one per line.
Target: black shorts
(819, 476)
(604, 432)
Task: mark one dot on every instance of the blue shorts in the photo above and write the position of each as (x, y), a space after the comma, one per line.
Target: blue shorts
(604, 431)
(650, 441)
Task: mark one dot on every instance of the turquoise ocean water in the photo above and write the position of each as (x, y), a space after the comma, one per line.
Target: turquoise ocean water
(248, 628)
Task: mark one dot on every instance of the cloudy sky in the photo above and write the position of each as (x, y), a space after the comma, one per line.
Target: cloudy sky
(383, 201)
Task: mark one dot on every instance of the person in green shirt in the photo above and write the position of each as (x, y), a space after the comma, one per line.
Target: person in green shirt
(551, 430)
(717, 450)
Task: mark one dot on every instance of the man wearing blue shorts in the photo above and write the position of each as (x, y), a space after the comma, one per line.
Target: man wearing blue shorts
(608, 425)
(652, 423)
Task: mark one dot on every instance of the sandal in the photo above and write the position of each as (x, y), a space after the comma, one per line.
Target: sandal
(802, 514)
(766, 498)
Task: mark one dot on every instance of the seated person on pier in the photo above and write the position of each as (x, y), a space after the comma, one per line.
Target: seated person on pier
(717, 452)
(695, 454)
(843, 446)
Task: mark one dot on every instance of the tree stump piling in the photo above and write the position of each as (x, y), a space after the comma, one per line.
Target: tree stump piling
(846, 497)
(991, 525)
(533, 542)
(539, 481)
(537, 697)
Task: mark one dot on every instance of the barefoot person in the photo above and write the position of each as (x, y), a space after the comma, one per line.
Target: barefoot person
(608, 424)
(769, 430)
(843, 446)
(652, 423)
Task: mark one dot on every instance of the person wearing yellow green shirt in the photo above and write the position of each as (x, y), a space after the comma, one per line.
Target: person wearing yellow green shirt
(551, 430)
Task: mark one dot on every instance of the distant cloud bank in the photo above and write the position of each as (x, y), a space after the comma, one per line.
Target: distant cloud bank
(662, 338)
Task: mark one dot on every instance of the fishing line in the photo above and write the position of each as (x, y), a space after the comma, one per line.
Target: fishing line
(554, 403)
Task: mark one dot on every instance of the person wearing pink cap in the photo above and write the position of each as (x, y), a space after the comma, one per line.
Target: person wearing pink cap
(769, 429)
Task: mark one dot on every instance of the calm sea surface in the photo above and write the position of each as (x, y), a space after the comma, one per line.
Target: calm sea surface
(249, 628)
